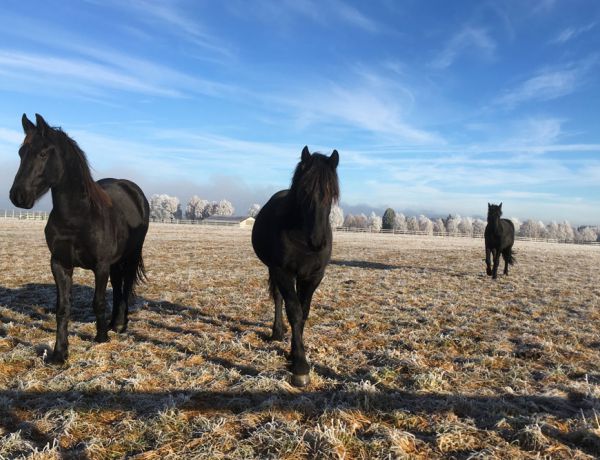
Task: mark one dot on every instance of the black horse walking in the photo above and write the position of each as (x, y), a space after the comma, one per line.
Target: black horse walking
(499, 239)
(292, 237)
(99, 226)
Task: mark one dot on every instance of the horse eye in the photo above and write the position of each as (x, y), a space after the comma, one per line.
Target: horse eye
(44, 153)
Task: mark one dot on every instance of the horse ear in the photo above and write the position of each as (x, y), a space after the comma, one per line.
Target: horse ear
(28, 126)
(41, 124)
(305, 154)
(489, 205)
(500, 205)
(334, 158)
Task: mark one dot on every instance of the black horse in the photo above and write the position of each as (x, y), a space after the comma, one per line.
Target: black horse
(292, 237)
(499, 239)
(100, 225)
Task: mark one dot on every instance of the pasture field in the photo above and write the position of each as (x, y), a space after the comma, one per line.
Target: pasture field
(415, 353)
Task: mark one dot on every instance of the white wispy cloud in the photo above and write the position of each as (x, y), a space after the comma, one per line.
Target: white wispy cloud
(571, 33)
(325, 13)
(177, 21)
(547, 84)
(469, 39)
(102, 70)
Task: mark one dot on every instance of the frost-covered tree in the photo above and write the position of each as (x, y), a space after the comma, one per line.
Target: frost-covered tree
(336, 216)
(196, 208)
(355, 221)
(350, 221)
(412, 224)
(586, 235)
(253, 210)
(222, 208)
(566, 232)
(374, 222)
(400, 222)
(361, 221)
(452, 224)
(425, 225)
(552, 231)
(388, 219)
(438, 226)
(532, 229)
(479, 227)
(465, 226)
(163, 206)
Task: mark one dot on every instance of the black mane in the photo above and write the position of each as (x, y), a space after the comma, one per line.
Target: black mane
(97, 196)
(316, 182)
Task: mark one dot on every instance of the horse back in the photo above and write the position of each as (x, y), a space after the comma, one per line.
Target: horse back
(129, 201)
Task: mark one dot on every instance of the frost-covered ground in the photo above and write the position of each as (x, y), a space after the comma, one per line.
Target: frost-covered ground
(415, 353)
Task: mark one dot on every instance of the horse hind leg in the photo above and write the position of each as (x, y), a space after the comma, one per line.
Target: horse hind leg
(133, 272)
(118, 310)
(507, 256)
(279, 327)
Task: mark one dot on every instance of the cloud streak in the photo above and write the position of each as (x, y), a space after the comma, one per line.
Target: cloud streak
(469, 39)
(547, 85)
(571, 33)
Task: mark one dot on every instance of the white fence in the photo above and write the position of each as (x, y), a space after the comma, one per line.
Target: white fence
(43, 215)
(25, 215)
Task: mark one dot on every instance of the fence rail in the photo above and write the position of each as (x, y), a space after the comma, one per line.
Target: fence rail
(43, 215)
(24, 215)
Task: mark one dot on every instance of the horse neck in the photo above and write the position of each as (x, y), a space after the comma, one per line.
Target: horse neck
(315, 223)
(494, 224)
(70, 200)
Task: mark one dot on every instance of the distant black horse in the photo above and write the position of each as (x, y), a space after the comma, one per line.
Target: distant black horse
(499, 239)
(100, 225)
(292, 236)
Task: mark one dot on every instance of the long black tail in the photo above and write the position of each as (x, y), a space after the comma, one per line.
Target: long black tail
(511, 258)
(139, 275)
(140, 272)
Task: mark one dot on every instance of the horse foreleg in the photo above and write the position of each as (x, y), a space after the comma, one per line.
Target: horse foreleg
(63, 277)
(496, 254)
(293, 309)
(488, 263)
(306, 289)
(101, 273)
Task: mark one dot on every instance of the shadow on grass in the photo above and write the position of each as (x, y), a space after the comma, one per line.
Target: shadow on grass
(36, 301)
(486, 412)
(381, 266)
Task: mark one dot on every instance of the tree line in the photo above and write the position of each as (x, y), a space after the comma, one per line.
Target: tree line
(165, 207)
(456, 225)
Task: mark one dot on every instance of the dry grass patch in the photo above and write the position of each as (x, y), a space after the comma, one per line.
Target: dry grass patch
(415, 354)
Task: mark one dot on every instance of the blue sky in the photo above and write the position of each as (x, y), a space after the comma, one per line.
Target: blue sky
(435, 106)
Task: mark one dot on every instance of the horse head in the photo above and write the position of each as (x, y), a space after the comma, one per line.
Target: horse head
(40, 167)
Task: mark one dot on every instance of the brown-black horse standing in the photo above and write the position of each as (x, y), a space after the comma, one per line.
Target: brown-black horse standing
(499, 239)
(292, 237)
(99, 226)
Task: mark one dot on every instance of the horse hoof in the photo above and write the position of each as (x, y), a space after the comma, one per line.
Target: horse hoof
(57, 358)
(119, 328)
(300, 380)
(101, 338)
(276, 337)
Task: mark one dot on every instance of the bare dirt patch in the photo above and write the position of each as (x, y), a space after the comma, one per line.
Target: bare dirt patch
(415, 354)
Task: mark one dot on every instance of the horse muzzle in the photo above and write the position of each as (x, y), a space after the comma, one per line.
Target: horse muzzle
(22, 198)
